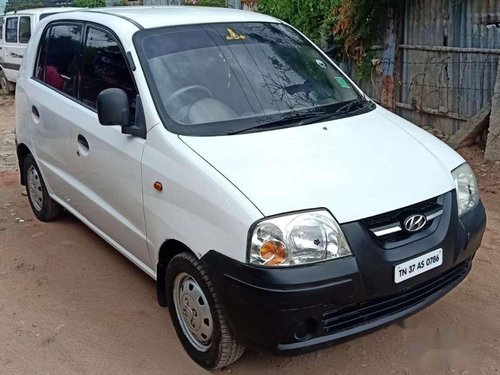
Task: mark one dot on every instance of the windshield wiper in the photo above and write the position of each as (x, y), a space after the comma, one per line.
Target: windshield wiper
(360, 103)
(306, 117)
(294, 118)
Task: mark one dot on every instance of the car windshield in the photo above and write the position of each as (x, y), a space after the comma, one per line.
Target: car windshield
(221, 78)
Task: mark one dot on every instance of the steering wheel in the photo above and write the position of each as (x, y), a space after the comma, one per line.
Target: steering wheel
(173, 102)
(177, 93)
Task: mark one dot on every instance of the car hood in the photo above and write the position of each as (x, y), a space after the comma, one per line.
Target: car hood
(356, 167)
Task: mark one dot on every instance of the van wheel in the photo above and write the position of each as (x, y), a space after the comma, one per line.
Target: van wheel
(43, 206)
(5, 85)
(197, 314)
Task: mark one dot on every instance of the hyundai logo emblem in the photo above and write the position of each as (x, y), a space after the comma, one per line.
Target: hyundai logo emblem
(415, 222)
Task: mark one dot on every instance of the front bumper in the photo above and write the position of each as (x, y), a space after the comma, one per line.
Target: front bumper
(299, 309)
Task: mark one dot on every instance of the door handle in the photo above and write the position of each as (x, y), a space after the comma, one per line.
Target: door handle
(35, 112)
(83, 141)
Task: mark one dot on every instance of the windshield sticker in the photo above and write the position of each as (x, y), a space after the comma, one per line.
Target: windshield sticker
(342, 82)
(231, 35)
(320, 63)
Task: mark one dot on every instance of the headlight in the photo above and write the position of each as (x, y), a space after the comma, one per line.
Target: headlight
(467, 189)
(296, 239)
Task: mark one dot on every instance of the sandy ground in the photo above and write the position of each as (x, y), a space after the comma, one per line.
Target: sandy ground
(70, 304)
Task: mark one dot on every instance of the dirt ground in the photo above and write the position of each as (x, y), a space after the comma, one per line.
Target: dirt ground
(71, 304)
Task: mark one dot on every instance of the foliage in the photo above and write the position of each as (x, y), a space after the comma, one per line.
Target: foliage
(315, 18)
(89, 3)
(364, 66)
(207, 3)
(361, 24)
(352, 24)
(21, 6)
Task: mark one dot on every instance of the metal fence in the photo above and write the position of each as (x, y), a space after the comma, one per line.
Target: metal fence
(444, 69)
(451, 87)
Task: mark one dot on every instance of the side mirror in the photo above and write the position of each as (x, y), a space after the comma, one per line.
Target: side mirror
(113, 108)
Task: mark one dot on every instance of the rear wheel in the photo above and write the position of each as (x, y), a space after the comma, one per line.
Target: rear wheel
(43, 206)
(197, 314)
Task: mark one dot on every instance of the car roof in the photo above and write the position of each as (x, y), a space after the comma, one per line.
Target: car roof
(41, 10)
(159, 16)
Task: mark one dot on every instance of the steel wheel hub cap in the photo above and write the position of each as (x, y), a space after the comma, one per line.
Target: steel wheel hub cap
(193, 312)
(34, 185)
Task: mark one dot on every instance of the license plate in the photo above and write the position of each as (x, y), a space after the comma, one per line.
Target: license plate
(417, 266)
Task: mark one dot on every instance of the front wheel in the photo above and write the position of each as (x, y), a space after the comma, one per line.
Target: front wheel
(197, 314)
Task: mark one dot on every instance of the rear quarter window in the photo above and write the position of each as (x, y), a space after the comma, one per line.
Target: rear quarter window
(1, 28)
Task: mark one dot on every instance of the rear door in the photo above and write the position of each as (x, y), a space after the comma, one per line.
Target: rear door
(17, 36)
(52, 103)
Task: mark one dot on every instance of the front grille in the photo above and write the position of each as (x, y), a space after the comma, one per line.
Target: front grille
(393, 216)
(362, 313)
(397, 217)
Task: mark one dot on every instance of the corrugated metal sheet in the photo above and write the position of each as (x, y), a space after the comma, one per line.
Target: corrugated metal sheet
(454, 82)
(465, 21)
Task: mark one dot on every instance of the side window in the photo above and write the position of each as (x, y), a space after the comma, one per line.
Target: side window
(59, 57)
(41, 59)
(104, 67)
(1, 28)
(11, 30)
(24, 29)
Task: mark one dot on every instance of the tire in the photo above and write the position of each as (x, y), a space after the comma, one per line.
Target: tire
(186, 277)
(43, 206)
(5, 85)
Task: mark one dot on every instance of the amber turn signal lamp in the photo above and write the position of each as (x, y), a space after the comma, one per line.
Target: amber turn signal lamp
(273, 253)
(158, 186)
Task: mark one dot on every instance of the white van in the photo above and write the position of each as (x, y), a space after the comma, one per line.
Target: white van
(276, 206)
(15, 33)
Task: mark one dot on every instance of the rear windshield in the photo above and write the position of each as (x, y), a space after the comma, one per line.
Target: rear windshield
(220, 78)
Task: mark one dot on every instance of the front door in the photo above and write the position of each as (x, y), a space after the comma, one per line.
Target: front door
(107, 164)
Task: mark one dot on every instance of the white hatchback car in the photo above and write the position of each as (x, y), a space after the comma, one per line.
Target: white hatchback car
(226, 156)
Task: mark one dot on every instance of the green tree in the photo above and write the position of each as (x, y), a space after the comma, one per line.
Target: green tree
(89, 3)
(315, 18)
(20, 6)
(207, 3)
(352, 24)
